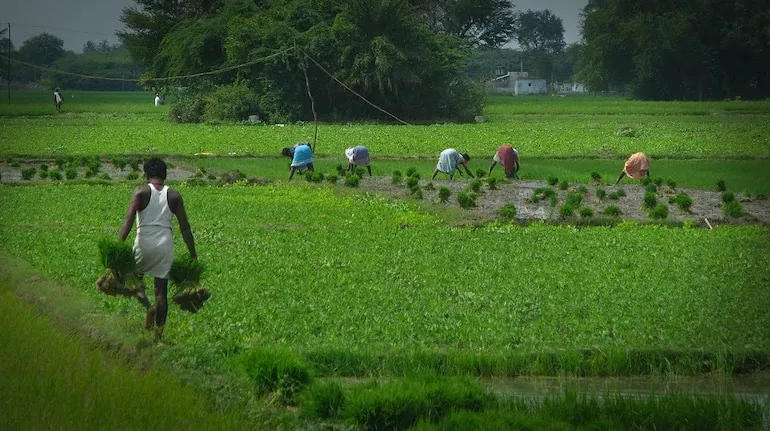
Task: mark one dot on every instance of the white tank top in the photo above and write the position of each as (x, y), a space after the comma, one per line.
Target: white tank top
(157, 214)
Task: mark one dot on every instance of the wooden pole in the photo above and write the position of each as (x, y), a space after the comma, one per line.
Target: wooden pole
(9, 63)
(312, 101)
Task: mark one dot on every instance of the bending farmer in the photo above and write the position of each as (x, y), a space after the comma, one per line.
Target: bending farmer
(358, 156)
(153, 205)
(636, 167)
(448, 161)
(509, 158)
(301, 158)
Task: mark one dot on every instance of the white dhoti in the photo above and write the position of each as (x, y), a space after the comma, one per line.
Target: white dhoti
(154, 251)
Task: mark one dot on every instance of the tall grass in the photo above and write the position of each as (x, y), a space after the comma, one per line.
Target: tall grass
(52, 380)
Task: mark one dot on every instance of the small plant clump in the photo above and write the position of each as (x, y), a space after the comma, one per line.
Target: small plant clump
(28, 173)
(650, 200)
(361, 172)
(552, 181)
(106, 177)
(508, 211)
(601, 194)
(659, 212)
(541, 193)
(566, 210)
(341, 170)
(658, 181)
(583, 190)
(574, 199)
(396, 178)
(553, 200)
(621, 192)
(119, 276)
(596, 177)
(492, 183)
(429, 187)
(475, 185)
(683, 201)
(613, 196)
(466, 199)
(71, 173)
(586, 212)
(352, 180)
(133, 176)
(443, 194)
(625, 132)
(412, 183)
(119, 162)
(417, 194)
(44, 167)
(480, 173)
(411, 171)
(43, 174)
(55, 175)
(671, 184)
(332, 178)
(563, 185)
(732, 209)
(721, 185)
(613, 210)
(652, 188)
(317, 177)
(728, 197)
(646, 181)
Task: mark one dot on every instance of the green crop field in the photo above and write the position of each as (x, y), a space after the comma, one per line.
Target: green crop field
(343, 286)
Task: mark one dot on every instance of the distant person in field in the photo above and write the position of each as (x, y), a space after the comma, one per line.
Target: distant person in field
(636, 167)
(358, 156)
(301, 158)
(509, 158)
(448, 163)
(158, 100)
(154, 205)
(58, 99)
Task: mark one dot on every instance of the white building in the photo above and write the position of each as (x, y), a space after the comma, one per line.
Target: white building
(517, 83)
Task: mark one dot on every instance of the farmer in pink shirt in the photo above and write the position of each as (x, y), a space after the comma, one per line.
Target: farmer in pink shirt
(509, 158)
(636, 167)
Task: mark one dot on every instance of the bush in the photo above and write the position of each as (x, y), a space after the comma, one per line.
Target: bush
(55, 175)
(683, 201)
(188, 108)
(475, 185)
(596, 177)
(552, 181)
(650, 200)
(352, 180)
(566, 210)
(278, 371)
(728, 197)
(492, 183)
(508, 211)
(396, 178)
(586, 212)
(323, 400)
(601, 194)
(563, 185)
(721, 185)
(671, 184)
(574, 199)
(71, 173)
(613, 211)
(28, 173)
(466, 199)
(230, 102)
(443, 194)
(660, 212)
(732, 209)
(332, 178)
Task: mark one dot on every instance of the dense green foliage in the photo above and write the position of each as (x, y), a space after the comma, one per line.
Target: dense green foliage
(112, 63)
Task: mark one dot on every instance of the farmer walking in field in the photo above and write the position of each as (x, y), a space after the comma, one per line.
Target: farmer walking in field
(636, 167)
(57, 99)
(448, 161)
(358, 156)
(154, 205)
(301, 158)
(509, 158)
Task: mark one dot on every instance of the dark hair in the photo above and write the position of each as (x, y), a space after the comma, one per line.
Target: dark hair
(466, 156)
(155, 168)
(56, 89)
(286, 151)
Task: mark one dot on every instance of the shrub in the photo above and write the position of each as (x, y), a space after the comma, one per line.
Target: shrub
(508, 211)
(188, 108)
(396, 178)
(596, 177)
(55, 175)
(721, 185)
(278, 371)
(552, 181)
(429, 187)
(660, 212)
(563, 185)
(352, 180)
(683, 201)
(71, 173)
(586, 212)
(728, 197)
(28, 173)
(230, 102)
(410, 171)
(650, 200)
(466, 199)
(613, 196)
(492, 183)
(332, 178)
(574, 199)
(119, 162)
(443, 194)
(621, 192)
(480, 173)
(732, 209)
(671, 184)
(601, 194)
(613, 210)
(475, 185)
(323, 400)
(566, 210)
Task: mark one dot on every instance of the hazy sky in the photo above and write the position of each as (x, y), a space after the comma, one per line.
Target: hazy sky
(78, 21)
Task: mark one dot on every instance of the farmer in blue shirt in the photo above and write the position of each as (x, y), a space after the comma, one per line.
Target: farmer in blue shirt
(301, 158)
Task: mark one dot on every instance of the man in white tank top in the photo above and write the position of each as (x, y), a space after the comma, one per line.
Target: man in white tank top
(154, 205)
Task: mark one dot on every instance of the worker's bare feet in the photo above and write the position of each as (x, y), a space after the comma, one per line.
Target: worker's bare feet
(150, 319)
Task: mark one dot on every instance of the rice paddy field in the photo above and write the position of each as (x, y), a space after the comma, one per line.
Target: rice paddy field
(370, 311)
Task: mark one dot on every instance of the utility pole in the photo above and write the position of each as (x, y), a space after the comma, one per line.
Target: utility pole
(9, 63)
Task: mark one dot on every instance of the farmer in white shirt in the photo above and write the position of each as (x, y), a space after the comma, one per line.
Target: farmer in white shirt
(57, 99)
(448, 161)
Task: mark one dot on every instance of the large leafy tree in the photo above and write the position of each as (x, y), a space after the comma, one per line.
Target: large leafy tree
(481, 22)
(41, 50)
(541, 36)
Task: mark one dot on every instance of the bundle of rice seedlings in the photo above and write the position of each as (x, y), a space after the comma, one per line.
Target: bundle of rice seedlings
(119, 276)
(186, 275)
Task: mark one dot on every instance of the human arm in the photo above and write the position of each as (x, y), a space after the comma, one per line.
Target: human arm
(184, 226)
(133, 207)
(622, 174)
(291, 171)
(470, 174)
(434, 174)
(494, 163)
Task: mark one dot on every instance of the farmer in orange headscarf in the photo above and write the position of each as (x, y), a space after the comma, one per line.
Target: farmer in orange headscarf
(636, 167)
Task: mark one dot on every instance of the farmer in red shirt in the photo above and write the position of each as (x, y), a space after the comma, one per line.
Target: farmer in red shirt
(509, 158)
